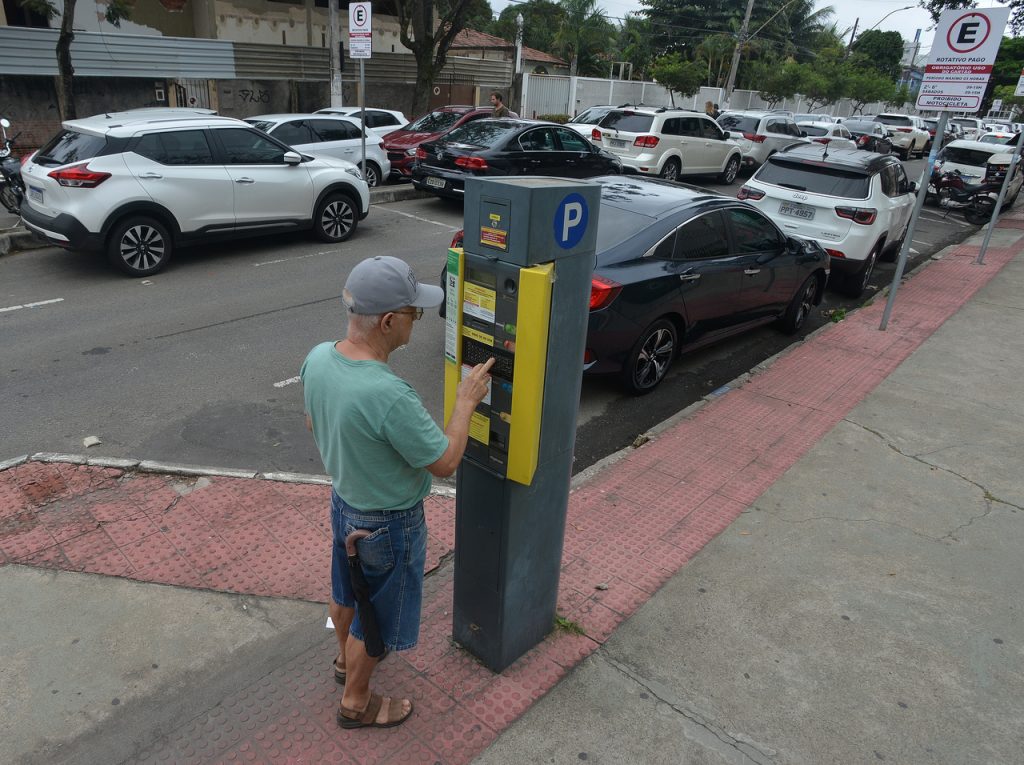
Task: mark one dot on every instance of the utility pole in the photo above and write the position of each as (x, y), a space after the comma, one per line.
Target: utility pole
(731, 82)
(853, 34)
(334, 46)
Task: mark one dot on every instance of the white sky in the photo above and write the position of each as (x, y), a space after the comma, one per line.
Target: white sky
(871, 12)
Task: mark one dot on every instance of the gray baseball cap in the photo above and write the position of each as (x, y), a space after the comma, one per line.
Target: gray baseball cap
(383, 283)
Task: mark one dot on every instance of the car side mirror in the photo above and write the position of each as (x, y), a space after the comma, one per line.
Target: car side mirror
(911, 187)
(726, 134)
(292, 158)
(4, 123)
(803, 133)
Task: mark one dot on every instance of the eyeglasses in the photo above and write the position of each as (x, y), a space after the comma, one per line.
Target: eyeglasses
(416, 313)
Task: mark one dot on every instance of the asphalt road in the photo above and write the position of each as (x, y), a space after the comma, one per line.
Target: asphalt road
(198, 363)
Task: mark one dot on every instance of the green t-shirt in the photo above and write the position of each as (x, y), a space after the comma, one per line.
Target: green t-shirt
(373, 432)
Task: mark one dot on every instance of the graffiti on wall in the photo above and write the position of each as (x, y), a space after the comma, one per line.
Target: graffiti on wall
(254, 96)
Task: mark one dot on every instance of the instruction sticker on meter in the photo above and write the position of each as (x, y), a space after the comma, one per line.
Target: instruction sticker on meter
(480, 428)
(466, 369)
(494, 237)
(478, 302)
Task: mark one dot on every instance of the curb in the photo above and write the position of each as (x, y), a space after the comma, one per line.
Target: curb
(18, 238)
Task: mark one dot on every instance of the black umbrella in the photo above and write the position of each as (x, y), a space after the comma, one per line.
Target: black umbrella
(361, 590)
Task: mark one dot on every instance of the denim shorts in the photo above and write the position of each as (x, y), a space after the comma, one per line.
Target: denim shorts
(393, 558)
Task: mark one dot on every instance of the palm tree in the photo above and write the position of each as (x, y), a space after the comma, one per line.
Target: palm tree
(584, 33)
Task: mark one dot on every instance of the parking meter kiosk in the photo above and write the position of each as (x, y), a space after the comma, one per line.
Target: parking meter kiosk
(519, 291)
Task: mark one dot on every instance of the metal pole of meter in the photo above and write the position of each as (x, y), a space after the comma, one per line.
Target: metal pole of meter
(999, 201)
(922, 192)
(362, 111)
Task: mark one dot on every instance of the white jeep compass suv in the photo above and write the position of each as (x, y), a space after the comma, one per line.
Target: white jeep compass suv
(138, 185)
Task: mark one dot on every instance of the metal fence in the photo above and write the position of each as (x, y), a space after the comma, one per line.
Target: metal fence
(559, 94)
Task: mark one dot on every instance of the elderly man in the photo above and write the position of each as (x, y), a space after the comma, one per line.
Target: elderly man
(381, 448)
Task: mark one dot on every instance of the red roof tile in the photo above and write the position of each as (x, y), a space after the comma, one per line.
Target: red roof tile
(474, 40)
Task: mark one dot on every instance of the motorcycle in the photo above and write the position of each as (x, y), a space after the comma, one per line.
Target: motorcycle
(954, 193)
(12, 188)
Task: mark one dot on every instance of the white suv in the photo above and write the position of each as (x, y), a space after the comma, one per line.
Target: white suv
(329, 135)
(136, 187)
(972, 127)
(668, 143)
(908, 134)
(762, 134)
(856, 204)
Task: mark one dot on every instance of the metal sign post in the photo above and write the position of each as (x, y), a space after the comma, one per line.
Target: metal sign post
(360, 46)
(999, 200)
(959, 66)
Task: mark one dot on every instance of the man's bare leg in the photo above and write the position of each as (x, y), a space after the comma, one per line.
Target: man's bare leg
(360, 667)
(342, 617)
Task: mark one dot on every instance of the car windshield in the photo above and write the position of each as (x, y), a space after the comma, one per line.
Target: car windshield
(811, 130)
(70, 146)
(963, 122)
(818, 179)
(589, 117)
(1002, 139)
(629, 122)
(894, 119)
(859, 126)
(739, 123)
(264, 125)
(435, 122)
(961, 156)
(483, 133)
(807, 117)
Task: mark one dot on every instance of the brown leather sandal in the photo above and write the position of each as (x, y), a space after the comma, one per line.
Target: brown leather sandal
(339, 674)
(367, 718)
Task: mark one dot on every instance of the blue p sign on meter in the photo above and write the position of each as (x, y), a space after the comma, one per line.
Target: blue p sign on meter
(570, 222)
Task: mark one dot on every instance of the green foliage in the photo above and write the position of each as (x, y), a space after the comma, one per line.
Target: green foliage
(634, 44)
(44, 8)
(1005, 92)
(561, 119)
(117, 10)
(564, 624)
(899, 97)
(867, 86)
(583, 35)
(825, 81)
(779, 80)
(881, 51)
(677, 74)
(479, 16)
(716, 51)
(540, 20)
(936, 7)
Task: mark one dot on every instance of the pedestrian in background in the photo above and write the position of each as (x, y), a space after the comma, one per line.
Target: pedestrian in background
(380, 447)
(500, 110)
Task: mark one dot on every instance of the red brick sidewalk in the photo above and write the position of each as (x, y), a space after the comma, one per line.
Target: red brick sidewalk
(270, 538)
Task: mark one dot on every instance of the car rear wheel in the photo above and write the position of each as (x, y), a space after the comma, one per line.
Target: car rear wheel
(800, 306)
(728, 175)
(650, 358)
(857, 282)
(335, 218)
(670, 172)
(139, 246)
(372, 175)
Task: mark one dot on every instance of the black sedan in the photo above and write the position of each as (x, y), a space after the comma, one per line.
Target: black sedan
(491, 147)
(679, 267)
(870, 136)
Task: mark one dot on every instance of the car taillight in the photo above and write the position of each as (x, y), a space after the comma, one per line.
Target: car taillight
(26, 158)
(457, 239)
(865, 216)
(755, 137)
(821, 140)
(471, 163)
(79, 176)
(421, 153)
(835, 253)
(595, 134)
(602, 292)
(646, 141)
(746, 192)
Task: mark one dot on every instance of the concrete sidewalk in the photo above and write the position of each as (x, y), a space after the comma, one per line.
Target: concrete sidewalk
(818, 565)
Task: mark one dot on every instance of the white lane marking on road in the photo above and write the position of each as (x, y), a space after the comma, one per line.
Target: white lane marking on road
(417, 217)
(915, 251)
(918, 241)
(297, 257)
(289, 381)
(31, 305)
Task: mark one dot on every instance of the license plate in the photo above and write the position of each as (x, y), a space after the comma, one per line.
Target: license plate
(437, 183)
(617, 143)
(795, 210)
(35, 194)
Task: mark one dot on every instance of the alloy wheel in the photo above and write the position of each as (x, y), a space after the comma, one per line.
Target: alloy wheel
(337, 219)
(654, 357)
(806, 303)
(142, 247)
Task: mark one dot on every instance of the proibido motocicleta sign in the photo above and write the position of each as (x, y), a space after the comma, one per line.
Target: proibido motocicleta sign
(963, 52)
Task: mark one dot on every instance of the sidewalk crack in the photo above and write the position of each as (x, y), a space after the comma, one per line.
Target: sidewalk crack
(745, 750)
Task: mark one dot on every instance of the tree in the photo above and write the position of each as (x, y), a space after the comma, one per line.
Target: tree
(583, 35)
(900, 95)
(867, 86)
(634, 44)
(117, 10)
(882, 51)
(716, 51)
(779, 81)
(677, 74)
(936, 7)
(825, 81)
(429, 44)
(479, 16)
(541, 18)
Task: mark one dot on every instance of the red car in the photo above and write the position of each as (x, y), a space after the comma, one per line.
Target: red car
(401, 144)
